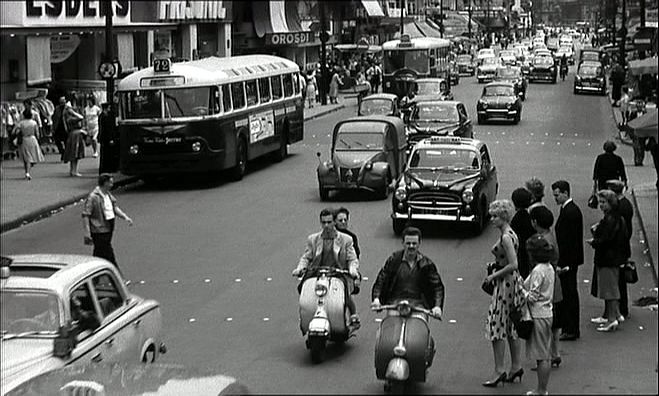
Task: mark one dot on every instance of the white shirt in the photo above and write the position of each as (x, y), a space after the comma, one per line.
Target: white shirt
(566, 202)
(108, 209)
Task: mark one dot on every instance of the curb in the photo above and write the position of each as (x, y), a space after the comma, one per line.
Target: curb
(43, 212)
(645, 237)
(324, 113)
(627, 142)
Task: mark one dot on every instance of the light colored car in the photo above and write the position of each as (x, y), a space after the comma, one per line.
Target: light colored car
(59, 310)
(488, 69)
(508, 57)
(484, 53)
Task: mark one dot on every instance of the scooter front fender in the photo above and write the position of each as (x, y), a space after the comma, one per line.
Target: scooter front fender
(398, 370)
(319, 326)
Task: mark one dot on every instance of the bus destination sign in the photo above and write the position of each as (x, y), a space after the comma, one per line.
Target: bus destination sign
(162, 65)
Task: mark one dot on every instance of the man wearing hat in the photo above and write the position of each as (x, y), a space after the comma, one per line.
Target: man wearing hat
(626, 210)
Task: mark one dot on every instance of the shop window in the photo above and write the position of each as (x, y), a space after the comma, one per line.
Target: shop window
(288, 85)
(264, 89)
(226, 98)
(238, 95)
(252, 93)
(276, 87)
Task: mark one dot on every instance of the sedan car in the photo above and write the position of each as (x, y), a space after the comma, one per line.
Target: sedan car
(508, 57)
(432, 89)
(499, 100)
(431, 118)
(379, 104)
(59, 310)
(466, 64)
(446, 179)
(590, 78)
(488, 69)
(484, 53)
(543, 68)
(514, 75)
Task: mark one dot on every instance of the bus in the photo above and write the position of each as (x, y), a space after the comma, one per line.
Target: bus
(407, 59)
(208, 115)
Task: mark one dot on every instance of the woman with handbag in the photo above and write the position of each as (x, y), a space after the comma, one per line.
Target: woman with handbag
(28, 146)
(75, 146)
(538, 291)
(505, 296)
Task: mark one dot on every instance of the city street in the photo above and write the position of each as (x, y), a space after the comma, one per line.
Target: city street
(218, 257)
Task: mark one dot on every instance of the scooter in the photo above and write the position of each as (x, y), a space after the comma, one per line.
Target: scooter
(324, 314)
(404, 348)
(563, 72)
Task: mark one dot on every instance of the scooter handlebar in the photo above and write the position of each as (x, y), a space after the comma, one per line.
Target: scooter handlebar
(413, 308)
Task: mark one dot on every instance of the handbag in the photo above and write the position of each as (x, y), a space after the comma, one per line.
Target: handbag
(522, 321)
(629, 272)
(488, 287)
(592, 201)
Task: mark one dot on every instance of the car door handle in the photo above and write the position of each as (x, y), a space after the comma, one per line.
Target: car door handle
(97, 358)
(137, 323)
(109, 342)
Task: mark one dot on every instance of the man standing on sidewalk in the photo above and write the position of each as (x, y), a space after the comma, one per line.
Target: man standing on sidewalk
(98, 216)
(626, 210)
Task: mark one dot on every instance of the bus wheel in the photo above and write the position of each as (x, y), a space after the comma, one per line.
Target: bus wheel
(282, 153)
(238, 171)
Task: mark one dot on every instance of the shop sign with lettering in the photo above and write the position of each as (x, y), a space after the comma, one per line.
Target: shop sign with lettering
(183, 10)
(61, 47)
(64, 13)
(291, 38)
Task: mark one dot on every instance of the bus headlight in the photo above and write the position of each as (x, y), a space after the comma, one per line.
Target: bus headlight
(196, 146)
(468, 196)
(134, 149)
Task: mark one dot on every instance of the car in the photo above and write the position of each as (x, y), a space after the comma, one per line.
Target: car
(552, 43)
(590, 54)
(432, 88)
(567, 51)
(439, 117)
(448, 179)
(542, 52)
(484, 53)
(590, 77)
(379, 104)
(487, 69)
(508, 57)
(514, 75)
(543, 68)
(62, 309)
(499, 100)
(539, 46)
(465, 64)
(367, 153)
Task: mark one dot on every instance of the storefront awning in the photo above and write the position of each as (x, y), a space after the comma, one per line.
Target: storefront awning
(373, 8)
(275, 16)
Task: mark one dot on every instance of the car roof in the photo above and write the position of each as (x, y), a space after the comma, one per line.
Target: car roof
(380, 96)
(375, 118)
(430, 79)
(67, 269)
(449, 141)
(499, 83)
(447, 102)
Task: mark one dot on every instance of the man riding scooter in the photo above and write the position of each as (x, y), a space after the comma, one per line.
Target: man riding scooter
(563, 67)
(330, 248)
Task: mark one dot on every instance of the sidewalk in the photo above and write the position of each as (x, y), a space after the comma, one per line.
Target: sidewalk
(51, 187)
(642, 181)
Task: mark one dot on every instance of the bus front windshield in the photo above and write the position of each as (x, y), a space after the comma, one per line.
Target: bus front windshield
(416, 60)
(180, 102)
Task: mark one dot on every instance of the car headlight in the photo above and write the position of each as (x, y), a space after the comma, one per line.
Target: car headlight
(400, 193)
(134, 149)
(467, 196)
(388, 84)
(329, 165)
(578, 78)
(509, 106)
(551, 68)
(196, 146)
(368, 166)
(483, 104)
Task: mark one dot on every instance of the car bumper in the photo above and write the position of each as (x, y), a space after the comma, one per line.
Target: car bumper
(504, 113)
(548, 77)
(485, 77)
(441, 215)
(588, 88)
(369, 182)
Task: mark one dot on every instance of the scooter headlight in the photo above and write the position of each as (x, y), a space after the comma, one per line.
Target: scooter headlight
(196, 146)
(321, 290)
(404, 310)
(399, 350)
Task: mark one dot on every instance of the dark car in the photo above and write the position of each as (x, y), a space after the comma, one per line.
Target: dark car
(513, 75)
(367, 153)
(590, 78)
(379, 104)
(438, 118)
(446, 179)
(466, 64)
(543, 68)
(590, 54)
(499, 100)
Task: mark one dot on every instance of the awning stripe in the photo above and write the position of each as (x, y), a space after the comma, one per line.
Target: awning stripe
(278, 16)
(373, 8)
(275, 16)
(292, 16)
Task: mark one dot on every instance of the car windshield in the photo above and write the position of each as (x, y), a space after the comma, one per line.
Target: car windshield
(141, 104)
(542, 60)
(590, 56)
(30, 312)
(444, 158)
(416, 60)
(507, 73)
(359, 141)
(498, 90)
(430, 87)
(436, 112)
(490, 61)
(376, 107)
(506, 53)
(485, 52)
(589, 70)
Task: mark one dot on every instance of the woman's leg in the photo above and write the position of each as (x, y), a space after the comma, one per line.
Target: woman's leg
(544, 369)
(555, 336)
(515, 346)
(26, 166)
(499, 349)
(95, 147)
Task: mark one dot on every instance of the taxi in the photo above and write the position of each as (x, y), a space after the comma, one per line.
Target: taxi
(60, 310)
(448, 179)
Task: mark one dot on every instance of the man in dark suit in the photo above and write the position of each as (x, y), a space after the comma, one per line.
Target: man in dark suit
(626, 210)
(569, 238)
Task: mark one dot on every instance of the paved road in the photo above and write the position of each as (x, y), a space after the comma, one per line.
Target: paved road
(218, 257)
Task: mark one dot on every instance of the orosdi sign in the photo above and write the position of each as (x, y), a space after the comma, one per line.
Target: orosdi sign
(277, 39)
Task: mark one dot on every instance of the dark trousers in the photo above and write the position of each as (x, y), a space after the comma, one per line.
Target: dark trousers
(60, 143)
(622, 286)
(570, 303)
(103, 245)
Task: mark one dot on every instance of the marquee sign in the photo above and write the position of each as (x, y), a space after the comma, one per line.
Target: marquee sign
(62, 13)
(290, 38)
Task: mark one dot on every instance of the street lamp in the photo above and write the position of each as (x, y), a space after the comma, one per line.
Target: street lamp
(469, 21)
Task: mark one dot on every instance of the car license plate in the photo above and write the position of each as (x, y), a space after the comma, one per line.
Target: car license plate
(162, 139)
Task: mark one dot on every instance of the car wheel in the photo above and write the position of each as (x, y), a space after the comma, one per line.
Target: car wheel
(480, 80)
(383, 191)
(553, 81)
(239, 170)
(481, 119)
(575, 91)
(398, 226)
(324, 193)
(518, 118)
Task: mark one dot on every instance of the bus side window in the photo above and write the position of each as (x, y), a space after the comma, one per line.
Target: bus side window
(238, 95)
(288, 85)
(226, 98)
(276, 87)
(252, 93)
(264, 89)
(296, 83)
(215, 100)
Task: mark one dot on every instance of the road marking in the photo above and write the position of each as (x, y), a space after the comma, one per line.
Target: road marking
(175, 281)
(268, 279)
(191, 320)
(238, 280)
(640, 328)
(558, 143)
(266, 319)
(378, 320)
(207, 280)
(142, 282)
(586, 281)
(365, 278)
(229, 319)
(458, 279)
(453, 321)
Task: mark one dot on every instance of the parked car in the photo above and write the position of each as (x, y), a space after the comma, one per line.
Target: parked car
(590, 77)
(447, 179)
(379, 104)
(438, 118)
(367, 153)
(508, 57)
(513, 75)
(466, 64)
(488, 69)
(543, 68)
(499, 100)
(60, 309)
(432, 89)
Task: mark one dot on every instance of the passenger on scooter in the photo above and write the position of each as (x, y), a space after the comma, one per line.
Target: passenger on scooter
(330, 248)
(342, 219)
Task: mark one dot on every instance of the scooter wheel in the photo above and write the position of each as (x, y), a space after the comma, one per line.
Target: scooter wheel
(394, 387)
(317, 347)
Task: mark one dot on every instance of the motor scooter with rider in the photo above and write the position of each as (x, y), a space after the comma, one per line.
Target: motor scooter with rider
(563, 67)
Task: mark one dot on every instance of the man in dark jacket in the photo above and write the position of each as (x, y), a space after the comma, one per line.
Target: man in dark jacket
(626, 210)
(569, 238)
(109, 161)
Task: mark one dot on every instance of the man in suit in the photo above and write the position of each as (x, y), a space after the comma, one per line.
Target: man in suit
(626, 210)
(569, 238)
(330, 248)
